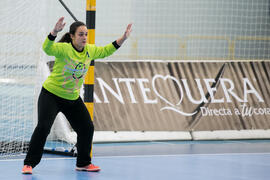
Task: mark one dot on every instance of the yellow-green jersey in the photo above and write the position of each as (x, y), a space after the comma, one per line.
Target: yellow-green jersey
(71, 66)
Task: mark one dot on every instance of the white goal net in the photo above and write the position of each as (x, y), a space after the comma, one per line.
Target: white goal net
(23, 68)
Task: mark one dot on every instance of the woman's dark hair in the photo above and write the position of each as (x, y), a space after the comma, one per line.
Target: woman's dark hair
(72, 29)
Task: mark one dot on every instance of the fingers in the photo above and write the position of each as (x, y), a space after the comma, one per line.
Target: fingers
(128, 30)
(58, 26)
(60, 21)
(61, 18)
(129, 25)
(121, 40)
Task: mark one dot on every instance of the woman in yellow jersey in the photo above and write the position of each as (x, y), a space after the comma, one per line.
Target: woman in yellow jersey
(60, 92)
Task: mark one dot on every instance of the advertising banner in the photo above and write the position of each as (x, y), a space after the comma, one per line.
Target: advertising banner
(181, 96)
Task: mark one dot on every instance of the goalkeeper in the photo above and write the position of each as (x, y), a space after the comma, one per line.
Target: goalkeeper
(60, 91)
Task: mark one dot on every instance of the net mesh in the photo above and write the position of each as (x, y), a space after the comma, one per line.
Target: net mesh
(192, 30)
(18, 59)
(24, 25)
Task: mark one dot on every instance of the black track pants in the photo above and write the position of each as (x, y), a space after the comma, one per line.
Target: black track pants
(49, 105)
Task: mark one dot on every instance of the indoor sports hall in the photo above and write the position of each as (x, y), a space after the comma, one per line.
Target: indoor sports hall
(175, 89)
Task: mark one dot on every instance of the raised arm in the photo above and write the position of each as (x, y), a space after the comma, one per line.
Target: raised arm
(49, 46)
(101, 52)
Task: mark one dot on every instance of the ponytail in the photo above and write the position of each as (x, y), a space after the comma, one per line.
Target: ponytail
(66, 38)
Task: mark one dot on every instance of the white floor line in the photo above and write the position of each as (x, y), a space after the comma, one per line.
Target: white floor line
(168, 143)
(173, 155)
(136, 156)
(5, 160)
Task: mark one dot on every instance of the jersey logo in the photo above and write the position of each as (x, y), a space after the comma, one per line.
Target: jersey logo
(73, 73)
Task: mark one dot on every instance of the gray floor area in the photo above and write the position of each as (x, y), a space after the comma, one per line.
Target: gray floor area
(182, 147)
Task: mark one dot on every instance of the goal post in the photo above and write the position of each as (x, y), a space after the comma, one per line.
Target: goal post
(89, 79)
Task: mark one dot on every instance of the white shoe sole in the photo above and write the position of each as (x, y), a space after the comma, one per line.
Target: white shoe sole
(84, 169)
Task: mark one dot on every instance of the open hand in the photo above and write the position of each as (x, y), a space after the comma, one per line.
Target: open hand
(121, 40)
(128, 31)
(58, 26)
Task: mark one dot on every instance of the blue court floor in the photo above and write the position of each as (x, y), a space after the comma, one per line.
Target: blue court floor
(172, 160)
